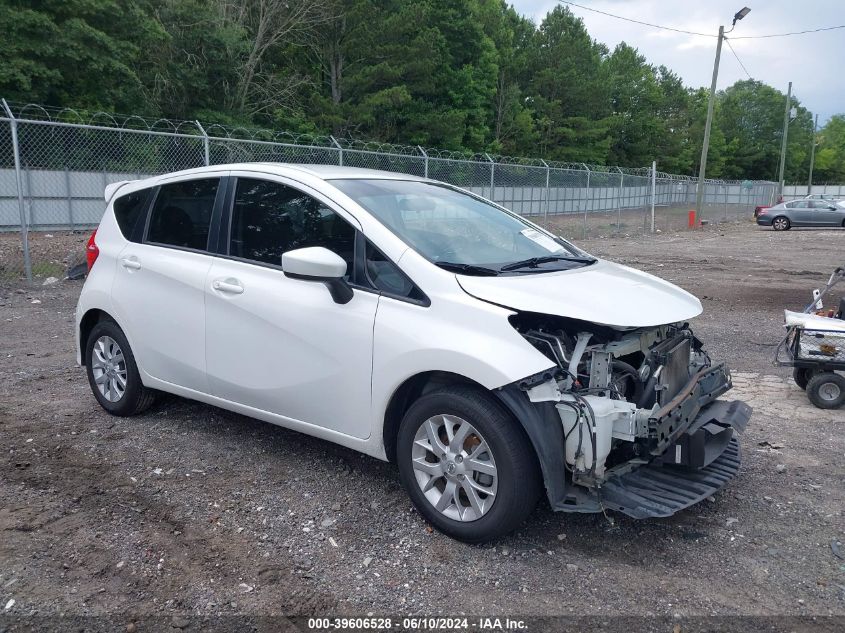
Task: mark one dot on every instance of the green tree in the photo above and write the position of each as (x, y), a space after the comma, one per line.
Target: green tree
(751, 118)
(80, 53)
(567, 92)
(830, 154)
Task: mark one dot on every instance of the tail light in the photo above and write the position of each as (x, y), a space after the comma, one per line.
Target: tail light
(92, 251)
(763, 211)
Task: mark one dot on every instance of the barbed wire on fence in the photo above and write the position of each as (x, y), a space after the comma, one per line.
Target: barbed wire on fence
(95, 119)
(56, 162)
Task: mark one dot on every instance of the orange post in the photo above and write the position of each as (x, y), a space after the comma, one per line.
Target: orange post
(691, 219)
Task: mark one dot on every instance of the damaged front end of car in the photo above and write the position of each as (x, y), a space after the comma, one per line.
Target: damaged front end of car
(628, 419)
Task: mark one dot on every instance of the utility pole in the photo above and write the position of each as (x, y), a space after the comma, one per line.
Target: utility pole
(812, 155)
(783, 140)
(711, 103)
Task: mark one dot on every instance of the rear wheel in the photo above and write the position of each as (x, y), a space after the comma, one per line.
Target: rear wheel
(467, 466)
(112, 372)
(826, 390)
(802, 375)
(781, 223)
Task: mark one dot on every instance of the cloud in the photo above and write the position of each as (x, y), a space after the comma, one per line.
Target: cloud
(810, 61)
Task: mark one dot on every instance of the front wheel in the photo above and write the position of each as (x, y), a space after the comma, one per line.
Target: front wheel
(467, 465)
(780, 223)
(826, 390)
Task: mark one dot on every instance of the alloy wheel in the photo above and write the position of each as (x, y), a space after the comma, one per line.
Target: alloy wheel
(454, 467)
(108, 366)
(780, 224)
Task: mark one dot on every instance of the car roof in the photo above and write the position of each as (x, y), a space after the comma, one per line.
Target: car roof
(323, 172)
(291, 170)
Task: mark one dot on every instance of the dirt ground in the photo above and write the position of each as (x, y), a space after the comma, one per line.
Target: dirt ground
(193, 510)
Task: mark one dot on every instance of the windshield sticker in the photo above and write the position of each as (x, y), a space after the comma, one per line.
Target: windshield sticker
(543, 240)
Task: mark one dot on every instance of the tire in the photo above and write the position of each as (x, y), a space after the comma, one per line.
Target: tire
(801, 376)
(508, 466)
(781, 223)
(826, 390)
(107, 353)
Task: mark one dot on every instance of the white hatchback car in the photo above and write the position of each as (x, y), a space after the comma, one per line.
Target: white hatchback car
(415, 322)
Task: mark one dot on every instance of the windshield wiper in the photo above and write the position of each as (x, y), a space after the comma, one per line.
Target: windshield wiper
(469, 269)
(534, 262)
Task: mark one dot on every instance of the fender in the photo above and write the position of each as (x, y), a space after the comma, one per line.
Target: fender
(542, 425)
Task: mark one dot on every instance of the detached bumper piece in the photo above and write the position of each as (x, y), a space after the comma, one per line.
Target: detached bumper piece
(658, 490)
(708, 435)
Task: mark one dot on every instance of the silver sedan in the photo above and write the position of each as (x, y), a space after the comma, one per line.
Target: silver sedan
(785, 215)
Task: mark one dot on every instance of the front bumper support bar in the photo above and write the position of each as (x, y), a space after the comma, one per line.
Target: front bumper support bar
(656, 490)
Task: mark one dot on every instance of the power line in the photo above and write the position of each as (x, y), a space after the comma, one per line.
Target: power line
(728, 42)
(759, 37)
(656, 26)
(671, 28)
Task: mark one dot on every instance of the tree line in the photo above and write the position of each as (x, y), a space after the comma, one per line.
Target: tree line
(470, 75)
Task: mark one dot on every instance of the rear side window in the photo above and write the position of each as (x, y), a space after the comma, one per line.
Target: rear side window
(270, 218)
(130, 213)
(181, 214)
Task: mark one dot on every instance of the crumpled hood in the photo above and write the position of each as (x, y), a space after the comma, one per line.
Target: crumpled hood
(604, 293)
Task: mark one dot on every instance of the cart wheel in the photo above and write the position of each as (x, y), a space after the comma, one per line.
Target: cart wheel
(802, 375)
(826, 390)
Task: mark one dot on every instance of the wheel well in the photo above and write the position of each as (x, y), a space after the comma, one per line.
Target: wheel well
(407, 393)
(89, 320)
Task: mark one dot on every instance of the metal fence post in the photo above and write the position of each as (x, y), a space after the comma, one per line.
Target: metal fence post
(339, 151)
(204, 143)
(492, 176)
(588, 199)
(619, 200)
(69, 198)
(653, 190)
(13, 125)
(425, 156)
(548, 195)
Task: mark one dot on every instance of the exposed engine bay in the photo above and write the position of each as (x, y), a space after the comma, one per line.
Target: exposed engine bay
(626, 398)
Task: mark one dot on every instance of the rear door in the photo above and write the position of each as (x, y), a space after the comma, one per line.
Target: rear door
(158, 293)
(800, 213)
(278, 344)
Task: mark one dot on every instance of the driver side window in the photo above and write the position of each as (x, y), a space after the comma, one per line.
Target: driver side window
(270, 218)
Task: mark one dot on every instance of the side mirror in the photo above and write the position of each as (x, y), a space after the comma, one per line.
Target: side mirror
(319, 264)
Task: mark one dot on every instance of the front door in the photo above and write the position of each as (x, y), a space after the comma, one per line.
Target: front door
(283, 345)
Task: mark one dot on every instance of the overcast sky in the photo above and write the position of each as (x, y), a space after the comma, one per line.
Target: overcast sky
(813, 62)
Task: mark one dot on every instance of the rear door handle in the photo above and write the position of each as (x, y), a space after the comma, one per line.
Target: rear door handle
(132, 263)
(231, 286)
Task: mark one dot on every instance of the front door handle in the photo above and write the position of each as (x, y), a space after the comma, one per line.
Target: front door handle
(130, 263)
(231, 286)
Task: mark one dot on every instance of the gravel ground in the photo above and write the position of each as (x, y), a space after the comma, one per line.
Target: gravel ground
(191, 509)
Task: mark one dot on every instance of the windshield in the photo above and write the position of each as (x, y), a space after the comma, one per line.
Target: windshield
(460, 232)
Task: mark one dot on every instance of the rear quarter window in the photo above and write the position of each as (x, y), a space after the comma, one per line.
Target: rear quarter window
(130, 211)
(181, 215)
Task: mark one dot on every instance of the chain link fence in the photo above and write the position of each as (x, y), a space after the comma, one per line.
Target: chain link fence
(55, 164)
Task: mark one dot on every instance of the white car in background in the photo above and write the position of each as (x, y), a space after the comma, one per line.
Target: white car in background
(414, 322)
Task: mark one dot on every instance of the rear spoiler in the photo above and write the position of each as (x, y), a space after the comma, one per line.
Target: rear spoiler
(112, 188)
